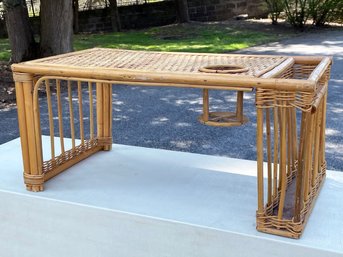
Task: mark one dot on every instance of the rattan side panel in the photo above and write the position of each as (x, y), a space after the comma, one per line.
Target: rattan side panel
(63, 114)
(294, 138)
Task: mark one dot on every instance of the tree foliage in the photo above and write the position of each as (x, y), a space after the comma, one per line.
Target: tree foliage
(323, 11)
(298, 12)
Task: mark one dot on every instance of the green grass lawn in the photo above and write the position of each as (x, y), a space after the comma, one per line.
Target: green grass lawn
(208, 38)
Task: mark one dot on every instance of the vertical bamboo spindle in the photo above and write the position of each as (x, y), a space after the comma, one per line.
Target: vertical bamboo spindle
(51, 121)
(316, 146)
(269, 156)
(280, 120)
(259, 149)
(71, 114)
(38, 131)
(294, 137)
(276, 151)
(308, 156)
(320, 124)
(111, 113)
(205, 106)
(299, 174)
(312, 148)
(91, 111)
(105, 111)
(322, 147)
(283, 171)
(79, 93)
(99, 110)
(60, 114)
(107, 114)
(239, 106)
(289, 141)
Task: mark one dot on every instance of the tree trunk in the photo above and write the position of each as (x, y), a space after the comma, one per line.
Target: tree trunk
(33, 8)
(56, 27)
(23, 45)
(76, 16)
(115, 20)
(182, 11)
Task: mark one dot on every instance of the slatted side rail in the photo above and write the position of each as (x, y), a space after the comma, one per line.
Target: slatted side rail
(74, 108)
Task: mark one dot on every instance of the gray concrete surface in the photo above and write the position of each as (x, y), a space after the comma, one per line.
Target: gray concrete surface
(136, 201)
(167, 117)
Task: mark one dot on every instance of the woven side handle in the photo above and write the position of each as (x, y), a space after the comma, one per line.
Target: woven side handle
(318, 72)
(316, 76)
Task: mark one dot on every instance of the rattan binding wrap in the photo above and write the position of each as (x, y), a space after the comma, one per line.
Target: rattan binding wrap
(302, 100)
(270, 223)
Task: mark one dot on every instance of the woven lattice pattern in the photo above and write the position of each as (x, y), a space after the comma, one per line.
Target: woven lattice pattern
(270, 221)
(162, 62)
(68, 155)
(267, 98)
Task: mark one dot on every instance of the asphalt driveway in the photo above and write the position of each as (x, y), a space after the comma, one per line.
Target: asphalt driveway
(167, 117)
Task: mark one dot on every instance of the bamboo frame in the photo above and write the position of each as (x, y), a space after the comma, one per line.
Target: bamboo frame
(293, 86)
(146, 77)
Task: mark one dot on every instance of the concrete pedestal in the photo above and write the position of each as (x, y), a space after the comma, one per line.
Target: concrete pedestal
(140, 202)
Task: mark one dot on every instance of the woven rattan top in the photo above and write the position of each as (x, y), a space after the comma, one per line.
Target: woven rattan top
(172, 69)
(99, 58)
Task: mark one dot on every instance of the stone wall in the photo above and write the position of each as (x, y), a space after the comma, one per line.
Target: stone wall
(218, 10)
(160, 13)
(131, 17)
(163, 13)
(257, 8)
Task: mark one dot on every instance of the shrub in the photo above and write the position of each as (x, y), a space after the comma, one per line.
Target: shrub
(322, 11)
(297, 12)
(275, 8)
(337, 14)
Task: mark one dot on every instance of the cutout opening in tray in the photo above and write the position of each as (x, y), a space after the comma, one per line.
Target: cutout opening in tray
(223, 69)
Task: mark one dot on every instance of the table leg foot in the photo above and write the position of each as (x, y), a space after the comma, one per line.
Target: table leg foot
(107, 148)
(34, 188)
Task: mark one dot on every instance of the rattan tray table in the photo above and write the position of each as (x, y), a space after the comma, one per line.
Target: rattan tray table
(292, 148)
